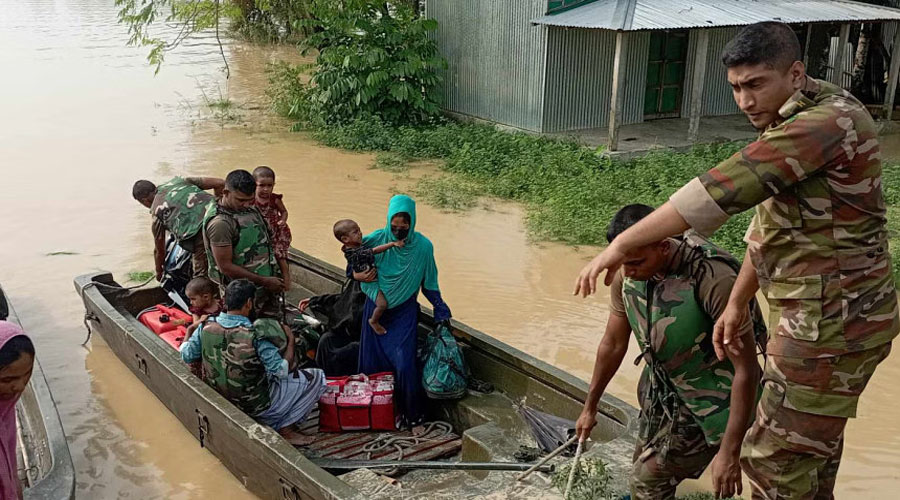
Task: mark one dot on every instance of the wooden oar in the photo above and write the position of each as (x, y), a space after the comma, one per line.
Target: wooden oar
(574, 467)
(547, 458)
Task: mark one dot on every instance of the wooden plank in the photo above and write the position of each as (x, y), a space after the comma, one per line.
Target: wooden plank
(617, 101)
(892, 76)
(837, 75)
(809, 28)
(697, 83)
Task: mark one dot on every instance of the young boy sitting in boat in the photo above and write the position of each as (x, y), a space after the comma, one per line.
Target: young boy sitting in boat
(205, 301)
(248, 370)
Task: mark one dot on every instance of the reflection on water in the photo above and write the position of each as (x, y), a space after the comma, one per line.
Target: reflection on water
(85, 118)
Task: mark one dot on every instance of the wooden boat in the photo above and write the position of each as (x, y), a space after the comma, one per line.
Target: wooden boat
(488, 427)
(45, 465)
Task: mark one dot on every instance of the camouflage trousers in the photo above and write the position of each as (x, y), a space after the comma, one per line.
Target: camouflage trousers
(199, 263)
(674, 453)
(793, 449)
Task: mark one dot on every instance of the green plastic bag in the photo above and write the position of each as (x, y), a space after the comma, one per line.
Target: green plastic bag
(444, 375)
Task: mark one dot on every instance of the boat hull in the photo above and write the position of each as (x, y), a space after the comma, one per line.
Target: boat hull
(50, 470)
(265, 463)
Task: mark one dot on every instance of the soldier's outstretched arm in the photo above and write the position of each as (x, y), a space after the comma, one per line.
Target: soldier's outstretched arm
(780, 158)
(664, 222)
(207, 183)
(610, 354)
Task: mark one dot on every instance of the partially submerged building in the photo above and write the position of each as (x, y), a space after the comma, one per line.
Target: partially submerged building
(589, 66)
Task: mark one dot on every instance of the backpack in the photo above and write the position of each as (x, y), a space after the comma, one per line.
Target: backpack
(444, 375)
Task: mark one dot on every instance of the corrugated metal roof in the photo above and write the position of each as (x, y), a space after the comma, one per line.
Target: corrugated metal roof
(636, 15)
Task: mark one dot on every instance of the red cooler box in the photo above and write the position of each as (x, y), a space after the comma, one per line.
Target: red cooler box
(358, 403)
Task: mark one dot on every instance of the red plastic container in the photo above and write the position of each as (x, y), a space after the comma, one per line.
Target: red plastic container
(175, 337)
(162, 319)
(358, 403)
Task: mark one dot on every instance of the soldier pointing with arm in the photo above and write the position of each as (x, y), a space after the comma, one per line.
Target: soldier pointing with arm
(817, 249)
(695, 408)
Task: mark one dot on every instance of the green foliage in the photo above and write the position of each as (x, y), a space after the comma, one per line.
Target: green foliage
(188, 17)
(374, 59)
(270, 21)
(448, 192)
(391, 162)
(591, 482)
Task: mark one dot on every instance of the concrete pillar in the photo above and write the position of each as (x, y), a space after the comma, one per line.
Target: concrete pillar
(892, 76)
(617, 101)
(838, 73)
(697, 81)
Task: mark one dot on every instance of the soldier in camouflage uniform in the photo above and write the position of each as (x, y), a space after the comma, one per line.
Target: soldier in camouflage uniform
(178, 206)
(695, 408)
(817, 249)
(242, 362)
(238, 244)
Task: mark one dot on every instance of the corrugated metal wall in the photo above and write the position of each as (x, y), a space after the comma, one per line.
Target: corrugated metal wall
(578, 85)
(717, 97)
(495, 57)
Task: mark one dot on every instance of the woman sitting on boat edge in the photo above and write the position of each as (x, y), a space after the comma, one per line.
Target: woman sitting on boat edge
(16, 364)
(401, 273)
(248, 370)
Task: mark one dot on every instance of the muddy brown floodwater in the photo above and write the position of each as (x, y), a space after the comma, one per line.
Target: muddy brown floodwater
(84, 117)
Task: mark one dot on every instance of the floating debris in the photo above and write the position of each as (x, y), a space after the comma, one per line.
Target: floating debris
(592, 481)
(140, 276)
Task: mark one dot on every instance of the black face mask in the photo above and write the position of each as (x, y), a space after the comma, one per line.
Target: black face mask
(400, 233)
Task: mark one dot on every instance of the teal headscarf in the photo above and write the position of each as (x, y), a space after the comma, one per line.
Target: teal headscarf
(402, 271)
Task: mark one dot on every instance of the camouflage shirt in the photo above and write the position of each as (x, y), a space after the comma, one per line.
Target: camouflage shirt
(247, 234)
(818, 240)
(179, 207)
(672, 318)
(233, 368)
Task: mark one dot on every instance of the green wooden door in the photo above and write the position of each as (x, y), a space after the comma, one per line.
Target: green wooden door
(665, 74)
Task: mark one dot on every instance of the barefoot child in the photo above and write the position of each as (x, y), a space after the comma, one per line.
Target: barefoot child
(205, 301)
(361, 259)
(272, 208)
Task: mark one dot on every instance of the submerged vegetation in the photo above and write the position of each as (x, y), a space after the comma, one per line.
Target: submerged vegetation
(140, 276)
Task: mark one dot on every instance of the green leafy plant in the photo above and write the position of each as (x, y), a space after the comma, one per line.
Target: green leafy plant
(391, 162)
(374, 58)
(140, 276)
(591, 482)
(270, 21)
(448, 192)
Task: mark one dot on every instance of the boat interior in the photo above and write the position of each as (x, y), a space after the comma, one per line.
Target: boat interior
(480, 427)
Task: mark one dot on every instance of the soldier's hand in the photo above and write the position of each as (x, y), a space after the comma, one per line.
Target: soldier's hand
(608, 260)
(726, 475)
(585, 424)
(303, 305)
(273, 284)
(727, 332)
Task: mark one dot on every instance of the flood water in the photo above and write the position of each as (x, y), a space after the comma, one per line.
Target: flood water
(84, 117)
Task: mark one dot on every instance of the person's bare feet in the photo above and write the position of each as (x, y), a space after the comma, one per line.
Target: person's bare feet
(291, 435)
(379, 330)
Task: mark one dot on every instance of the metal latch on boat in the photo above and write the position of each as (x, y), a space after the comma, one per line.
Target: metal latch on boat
(202, 427)
(288, 490)
(141, 364)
